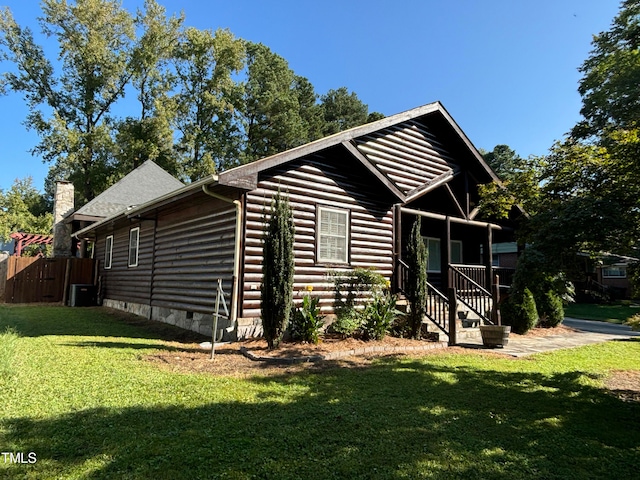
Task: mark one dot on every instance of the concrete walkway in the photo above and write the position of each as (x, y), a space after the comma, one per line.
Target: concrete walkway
(588, 332)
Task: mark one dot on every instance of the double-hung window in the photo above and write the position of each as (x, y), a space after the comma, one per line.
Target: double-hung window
(134, 244)
(108, 252)
(333, 235)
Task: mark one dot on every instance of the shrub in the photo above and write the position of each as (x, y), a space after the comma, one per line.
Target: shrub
(416, 287)
(346, 325)
(306, 322)
(378, 316)
(349, 286)
(276, 290)
(634, 322)
(550, 309)
(519, 311)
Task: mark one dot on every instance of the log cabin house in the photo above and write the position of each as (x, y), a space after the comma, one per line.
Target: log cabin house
(354, 195)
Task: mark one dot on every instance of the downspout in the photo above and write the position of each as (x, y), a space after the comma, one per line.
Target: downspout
(233, 314)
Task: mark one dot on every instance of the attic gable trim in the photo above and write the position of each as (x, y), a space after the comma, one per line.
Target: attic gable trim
(431, 185)
(353, 150)
(278, 159)
(472, 149)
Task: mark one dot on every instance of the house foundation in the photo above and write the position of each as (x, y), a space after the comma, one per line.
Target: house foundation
(201, 323)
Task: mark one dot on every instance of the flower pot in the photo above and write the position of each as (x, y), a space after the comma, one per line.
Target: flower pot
(495, 335)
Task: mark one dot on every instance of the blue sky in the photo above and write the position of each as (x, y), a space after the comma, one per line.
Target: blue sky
(506, 70)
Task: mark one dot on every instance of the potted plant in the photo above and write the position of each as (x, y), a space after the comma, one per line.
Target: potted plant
(495, 335)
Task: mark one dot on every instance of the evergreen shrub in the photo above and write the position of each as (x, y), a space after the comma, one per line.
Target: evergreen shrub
(276, 290)
(519, 311)
(550, 308)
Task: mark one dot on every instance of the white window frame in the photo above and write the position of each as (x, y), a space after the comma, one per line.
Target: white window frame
(622, 271)
(134, 249)
(108, 252)
(319, 235)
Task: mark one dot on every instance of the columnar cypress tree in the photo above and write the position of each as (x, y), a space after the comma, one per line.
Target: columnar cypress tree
(276, 291)
(416, 288)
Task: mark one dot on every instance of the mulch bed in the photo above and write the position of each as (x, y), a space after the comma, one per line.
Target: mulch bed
(231, 361)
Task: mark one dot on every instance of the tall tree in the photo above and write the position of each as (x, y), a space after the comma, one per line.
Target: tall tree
(343, 110)
(149, 136)
(207, 100)
(279, 107)
(71, 109)
(611, 76)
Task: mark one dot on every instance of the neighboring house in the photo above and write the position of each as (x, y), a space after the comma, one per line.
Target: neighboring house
(611, 273)
(355, 196)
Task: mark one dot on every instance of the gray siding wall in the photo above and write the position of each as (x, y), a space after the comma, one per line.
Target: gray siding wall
(309, 183)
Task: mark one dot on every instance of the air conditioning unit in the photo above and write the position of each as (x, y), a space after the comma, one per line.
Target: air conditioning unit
(82, 295)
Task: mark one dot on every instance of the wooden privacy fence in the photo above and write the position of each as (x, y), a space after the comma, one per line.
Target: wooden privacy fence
(30, 280)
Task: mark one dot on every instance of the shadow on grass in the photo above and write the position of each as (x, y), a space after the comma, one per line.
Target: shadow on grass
(407, 419)
(37, 320)
(135, 346)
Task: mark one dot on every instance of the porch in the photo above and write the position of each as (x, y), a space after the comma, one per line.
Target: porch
(466, 278)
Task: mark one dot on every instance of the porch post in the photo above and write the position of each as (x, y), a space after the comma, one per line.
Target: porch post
(489, 260)
(445, 254)
(397, 244)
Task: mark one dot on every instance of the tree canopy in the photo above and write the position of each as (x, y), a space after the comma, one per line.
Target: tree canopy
(23, 209)
(584, 196)
(194, 101)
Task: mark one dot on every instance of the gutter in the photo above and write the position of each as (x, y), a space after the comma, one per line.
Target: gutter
(233, 315)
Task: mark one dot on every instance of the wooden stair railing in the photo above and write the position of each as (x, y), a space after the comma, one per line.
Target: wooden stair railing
(471, 294)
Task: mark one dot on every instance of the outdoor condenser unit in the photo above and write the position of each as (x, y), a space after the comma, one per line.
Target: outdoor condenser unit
(82, 295)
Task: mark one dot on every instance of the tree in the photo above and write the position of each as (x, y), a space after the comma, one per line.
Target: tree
(520, 182)
(150, 136)
(272, 112)
(71, 110)
(24, 209)
(206, 103)
(611, 77)
(276, 290)
(417, 278)
(342, 110)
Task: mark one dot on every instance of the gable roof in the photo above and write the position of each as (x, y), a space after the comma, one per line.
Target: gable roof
(138, 187)
(410, 142)
(425, 141)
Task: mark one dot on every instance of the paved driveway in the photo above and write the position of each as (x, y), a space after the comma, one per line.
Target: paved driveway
(588, 332)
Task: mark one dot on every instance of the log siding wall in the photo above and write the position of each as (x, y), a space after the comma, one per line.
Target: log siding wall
(310, 183)
(408, 154)
(193, 249)
(122, 282)
(181, 256)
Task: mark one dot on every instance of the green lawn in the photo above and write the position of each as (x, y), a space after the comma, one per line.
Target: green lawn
(605, 313)
(75, 390)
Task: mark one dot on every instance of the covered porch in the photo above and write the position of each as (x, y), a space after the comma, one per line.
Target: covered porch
(464, 265)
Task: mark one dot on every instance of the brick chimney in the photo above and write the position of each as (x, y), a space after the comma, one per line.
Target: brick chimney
(63, 206)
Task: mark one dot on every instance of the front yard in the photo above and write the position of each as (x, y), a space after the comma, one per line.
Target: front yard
(85, 392)
(616, 313)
